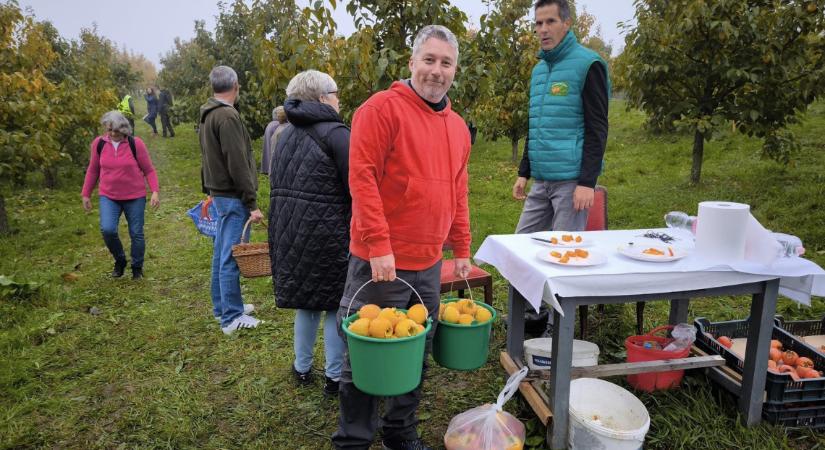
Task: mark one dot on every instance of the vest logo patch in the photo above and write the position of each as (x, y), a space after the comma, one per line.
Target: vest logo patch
(559, 89)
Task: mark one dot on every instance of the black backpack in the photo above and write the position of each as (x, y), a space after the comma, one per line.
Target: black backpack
(101, 143)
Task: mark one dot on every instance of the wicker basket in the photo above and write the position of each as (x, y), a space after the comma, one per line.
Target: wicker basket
(252, 257)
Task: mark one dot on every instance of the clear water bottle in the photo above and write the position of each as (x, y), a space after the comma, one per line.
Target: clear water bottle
(791, 245)
(680, 220)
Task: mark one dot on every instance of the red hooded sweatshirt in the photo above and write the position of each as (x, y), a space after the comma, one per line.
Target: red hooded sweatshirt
(408, 179)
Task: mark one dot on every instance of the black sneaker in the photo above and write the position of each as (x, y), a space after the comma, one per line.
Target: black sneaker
(117, 272)
(414, 444)
(330, 386)
(137, 273)
(302, 378)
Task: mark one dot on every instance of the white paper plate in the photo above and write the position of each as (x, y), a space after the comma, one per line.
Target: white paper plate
(547, 235)
(635, 252)
(594, 258)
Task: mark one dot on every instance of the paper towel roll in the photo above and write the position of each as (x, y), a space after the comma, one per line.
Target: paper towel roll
(720, 231)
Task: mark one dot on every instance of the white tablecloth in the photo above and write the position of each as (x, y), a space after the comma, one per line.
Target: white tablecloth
(514, 256)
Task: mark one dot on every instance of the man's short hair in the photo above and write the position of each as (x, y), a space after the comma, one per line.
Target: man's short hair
(223, 79)
(310, 86)
(564, 7)
(434, 31)
(116, 121)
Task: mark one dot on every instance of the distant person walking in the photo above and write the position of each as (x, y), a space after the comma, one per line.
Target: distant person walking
(152, 109)
(121, 163)
(228, 175)
(127, 108)
(278, 117)
(165, 102)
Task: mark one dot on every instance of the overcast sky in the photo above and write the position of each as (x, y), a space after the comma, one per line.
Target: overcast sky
(150, 26)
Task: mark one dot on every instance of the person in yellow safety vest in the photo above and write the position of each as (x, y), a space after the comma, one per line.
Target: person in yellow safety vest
(127, 108)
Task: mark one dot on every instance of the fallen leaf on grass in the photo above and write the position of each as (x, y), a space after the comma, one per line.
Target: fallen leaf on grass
(70, 276)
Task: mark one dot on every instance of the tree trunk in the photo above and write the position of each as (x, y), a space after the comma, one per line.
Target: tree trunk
(514, 143)
(4, 221)
(50, 178)
(698, 151)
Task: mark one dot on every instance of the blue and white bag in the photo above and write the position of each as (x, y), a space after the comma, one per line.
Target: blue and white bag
(205, 217)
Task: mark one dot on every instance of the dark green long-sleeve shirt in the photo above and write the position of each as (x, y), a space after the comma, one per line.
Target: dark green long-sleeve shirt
(228, 164)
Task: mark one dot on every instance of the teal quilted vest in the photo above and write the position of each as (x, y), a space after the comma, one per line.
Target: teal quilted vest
(556, 127)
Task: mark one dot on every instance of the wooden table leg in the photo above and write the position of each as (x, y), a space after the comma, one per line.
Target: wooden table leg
(763, 308)
(562, 357)
(516, 305)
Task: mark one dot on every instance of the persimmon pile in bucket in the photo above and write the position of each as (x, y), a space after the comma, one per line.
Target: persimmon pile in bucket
(389, 323)
(463, 312)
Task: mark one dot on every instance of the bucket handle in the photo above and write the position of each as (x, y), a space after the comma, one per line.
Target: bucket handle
(370, 281)
(469, 289)
(658, 329)
(510, 388)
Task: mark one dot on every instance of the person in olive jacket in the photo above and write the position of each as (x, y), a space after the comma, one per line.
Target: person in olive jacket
(228, 175)
(309, 215)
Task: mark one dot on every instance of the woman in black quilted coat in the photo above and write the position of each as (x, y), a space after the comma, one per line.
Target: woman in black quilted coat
(309, 216)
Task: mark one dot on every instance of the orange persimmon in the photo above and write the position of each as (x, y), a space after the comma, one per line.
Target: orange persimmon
(791, 371)
(804, 362)
(790, 357)
(725, 341)
(775, 355)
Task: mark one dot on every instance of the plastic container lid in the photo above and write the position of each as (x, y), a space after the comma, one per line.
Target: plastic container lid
(537, 353)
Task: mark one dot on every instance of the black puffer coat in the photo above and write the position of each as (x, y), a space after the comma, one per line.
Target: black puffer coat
(310, 209)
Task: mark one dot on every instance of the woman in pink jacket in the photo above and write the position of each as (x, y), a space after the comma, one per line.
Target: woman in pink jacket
(121, 163)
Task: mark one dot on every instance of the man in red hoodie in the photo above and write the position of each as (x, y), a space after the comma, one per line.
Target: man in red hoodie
(408, 179)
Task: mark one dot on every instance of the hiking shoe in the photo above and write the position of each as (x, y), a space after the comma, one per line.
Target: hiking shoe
(137, 273)
(243, 321)
(413, 444)
(248, 308)
(302, 378)
(117, 272)
(330, 386)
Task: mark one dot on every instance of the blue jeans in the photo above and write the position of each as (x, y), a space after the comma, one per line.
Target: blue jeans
(226, 283)
(306, 331)
(110, 211)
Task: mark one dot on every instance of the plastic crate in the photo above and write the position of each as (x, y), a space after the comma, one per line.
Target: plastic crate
(780, 388)
(803, 328)
(802, 415)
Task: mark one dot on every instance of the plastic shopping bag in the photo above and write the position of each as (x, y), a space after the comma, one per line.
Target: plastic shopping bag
(205, 217)
(488, 427)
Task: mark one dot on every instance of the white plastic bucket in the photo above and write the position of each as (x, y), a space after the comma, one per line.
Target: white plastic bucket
(605, 416)
(537, 353)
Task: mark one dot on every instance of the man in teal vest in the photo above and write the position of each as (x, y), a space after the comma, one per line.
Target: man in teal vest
(569, 91)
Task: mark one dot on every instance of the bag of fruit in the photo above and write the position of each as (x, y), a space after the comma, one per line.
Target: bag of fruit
(488, 427)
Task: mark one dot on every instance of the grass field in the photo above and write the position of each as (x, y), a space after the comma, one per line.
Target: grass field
(152, 370)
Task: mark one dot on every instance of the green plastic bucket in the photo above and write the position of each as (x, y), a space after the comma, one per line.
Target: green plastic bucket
(463, 347)
(386, 367)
